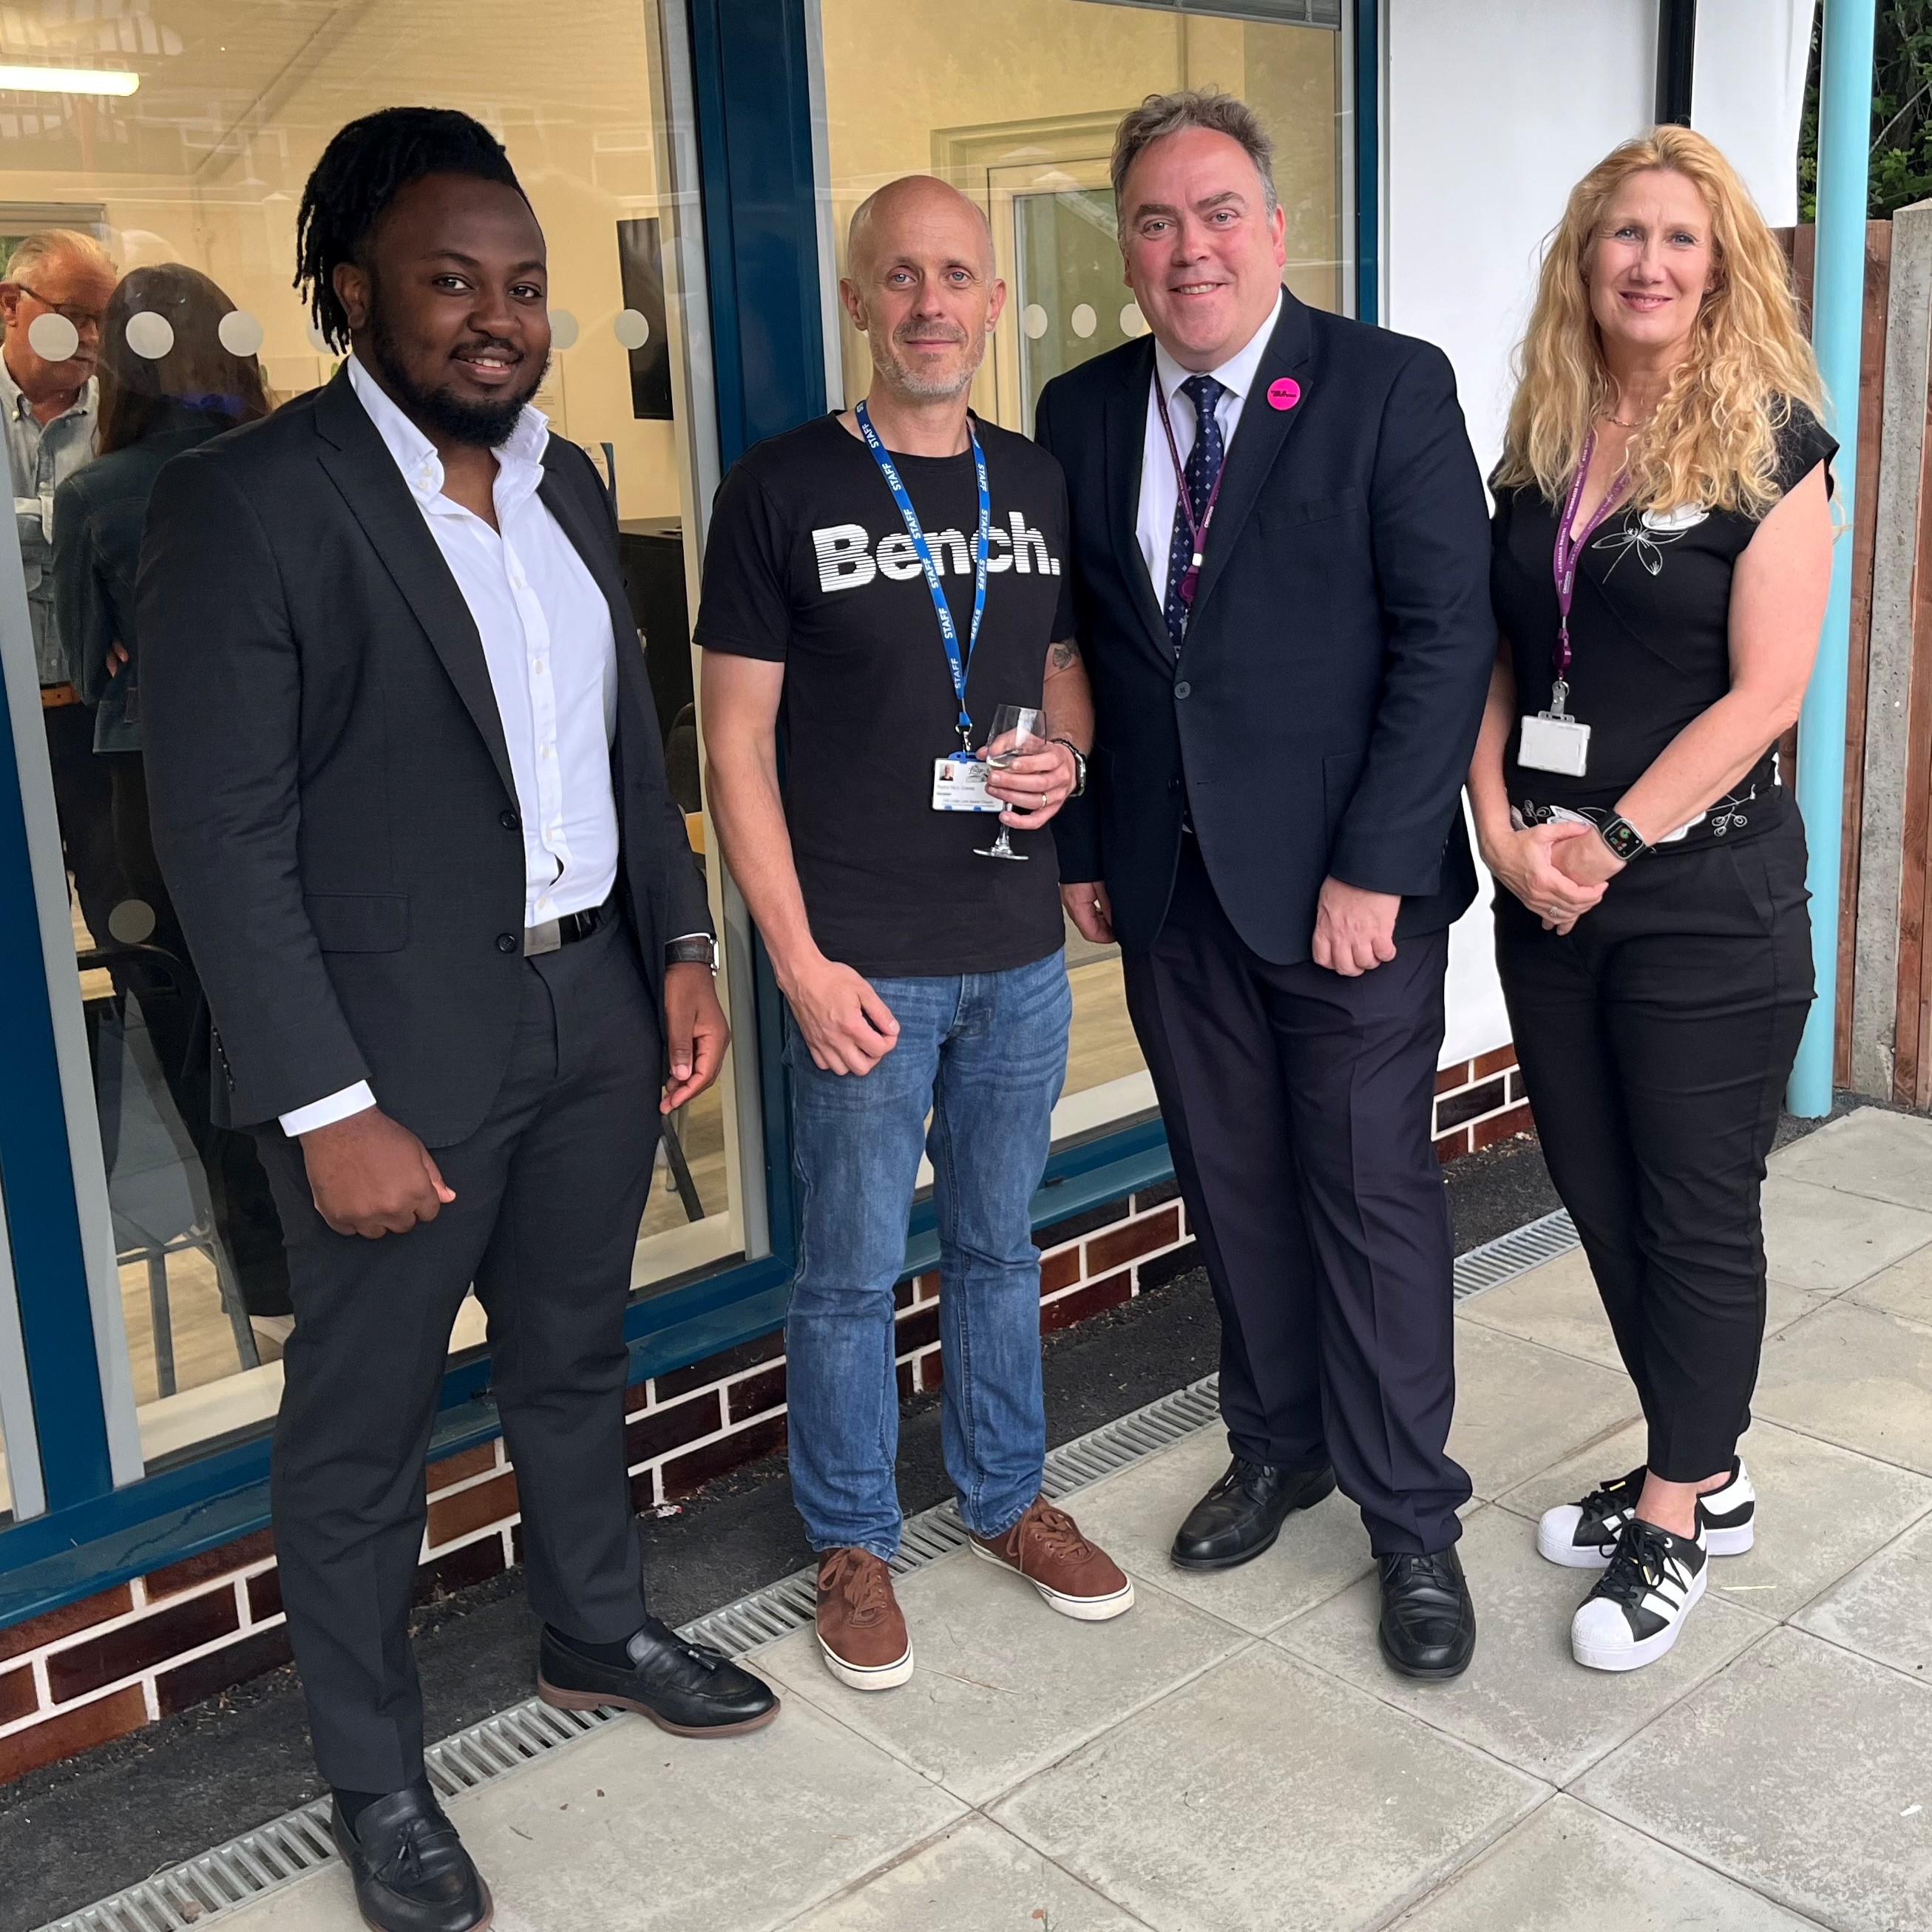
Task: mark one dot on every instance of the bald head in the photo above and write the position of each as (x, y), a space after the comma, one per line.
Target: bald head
(919, 283)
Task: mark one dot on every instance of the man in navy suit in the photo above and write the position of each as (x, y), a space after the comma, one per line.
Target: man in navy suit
(1281, 554)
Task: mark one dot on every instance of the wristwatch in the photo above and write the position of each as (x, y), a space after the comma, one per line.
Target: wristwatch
(699, 948)
(1079, 767)
(1624, 839)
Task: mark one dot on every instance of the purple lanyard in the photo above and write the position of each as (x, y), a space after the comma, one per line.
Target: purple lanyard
(1569, 549)
(1197, 533)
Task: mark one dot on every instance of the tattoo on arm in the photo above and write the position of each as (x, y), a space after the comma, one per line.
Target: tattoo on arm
(1063, 655)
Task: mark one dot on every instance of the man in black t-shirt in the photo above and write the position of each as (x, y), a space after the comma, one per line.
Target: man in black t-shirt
(878, 584)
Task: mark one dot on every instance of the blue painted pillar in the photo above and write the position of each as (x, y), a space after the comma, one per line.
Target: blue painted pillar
(1837, 321)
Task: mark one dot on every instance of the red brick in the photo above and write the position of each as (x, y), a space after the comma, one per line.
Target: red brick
(925, 1287)
(1448, 1077)
(65, 1621)
(1517, 1089)
(454, 1469)
(1162, 1268)
(903, 1375)
(1113, 1250)
(86, 1666)
(754, 1395)
(17, 1694)
(206, 1677)
(903, 1292)
(474, 1563)
(752, 1354)
(72, 1731)
(1452, 1147)
(1487, 1133)
(450, 1517)
(1075, 1226)
(692, 1471)
(1465, 1106)
(265, 1595)
(228, 1557)
(931, 1368)
(658, 1431)
(1494, 1061)
(1082, 1302)
(1060, 1270)
(919, 1330)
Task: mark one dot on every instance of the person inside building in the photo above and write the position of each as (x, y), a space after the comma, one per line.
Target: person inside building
(889, 581)
(1662, 555)
(162, 390)
(408, 790)
(52, 298)
(1281, 578)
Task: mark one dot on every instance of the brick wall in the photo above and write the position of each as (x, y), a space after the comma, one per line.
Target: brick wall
(106, 1666)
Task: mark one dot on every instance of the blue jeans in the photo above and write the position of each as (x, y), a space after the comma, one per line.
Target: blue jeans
(985, 1054)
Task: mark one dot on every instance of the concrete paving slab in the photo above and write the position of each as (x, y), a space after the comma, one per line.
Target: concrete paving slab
(1520, 1407)
(1816, 1238)
(1266, 1797)
(1880, 1609)
(975, 1878)
(1856, 1376)
(1133, 1517)
(629, 1830)
(1567, 1868)
(1905, 1288)
(1802, 1770)
(1004, 1685)
(1821, 1511)
(1524, 1698)
(1886, 1155)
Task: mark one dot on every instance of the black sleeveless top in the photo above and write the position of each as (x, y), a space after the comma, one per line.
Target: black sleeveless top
(1649, 637)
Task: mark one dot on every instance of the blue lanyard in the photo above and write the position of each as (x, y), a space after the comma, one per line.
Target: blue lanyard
(983, 546)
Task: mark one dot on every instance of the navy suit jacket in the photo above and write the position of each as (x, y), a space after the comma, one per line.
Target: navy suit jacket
(1321, 716)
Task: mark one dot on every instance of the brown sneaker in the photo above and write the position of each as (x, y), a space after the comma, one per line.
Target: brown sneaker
(1046, 1548)
(860, 1629)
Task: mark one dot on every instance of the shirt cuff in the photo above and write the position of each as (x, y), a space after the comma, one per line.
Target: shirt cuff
(325, 1112)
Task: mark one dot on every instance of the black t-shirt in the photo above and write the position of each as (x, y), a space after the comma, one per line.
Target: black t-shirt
(1649, 635)
(809, 564)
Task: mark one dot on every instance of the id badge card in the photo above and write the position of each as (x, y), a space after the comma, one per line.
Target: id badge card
(1552, 744)
(959, 785)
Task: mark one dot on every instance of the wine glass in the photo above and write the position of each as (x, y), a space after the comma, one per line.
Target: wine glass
(1017, 730)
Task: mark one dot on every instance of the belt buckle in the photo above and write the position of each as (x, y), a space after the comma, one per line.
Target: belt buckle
(539, 939)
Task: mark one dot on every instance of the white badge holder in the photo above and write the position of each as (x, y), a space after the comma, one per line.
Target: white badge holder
(1550, 742)
(959, 785)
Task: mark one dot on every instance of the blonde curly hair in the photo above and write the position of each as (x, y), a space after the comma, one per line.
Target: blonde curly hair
(1713, 440)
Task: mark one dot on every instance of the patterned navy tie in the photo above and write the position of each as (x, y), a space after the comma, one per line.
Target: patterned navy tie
(1204, 470)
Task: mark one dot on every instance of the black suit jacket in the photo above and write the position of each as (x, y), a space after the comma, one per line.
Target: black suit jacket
(1322, 715)
(332, 800)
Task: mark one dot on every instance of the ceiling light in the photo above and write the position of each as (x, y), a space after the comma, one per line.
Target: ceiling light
(67, 80)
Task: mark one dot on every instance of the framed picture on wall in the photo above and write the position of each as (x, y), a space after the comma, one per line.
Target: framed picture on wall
(637, 244)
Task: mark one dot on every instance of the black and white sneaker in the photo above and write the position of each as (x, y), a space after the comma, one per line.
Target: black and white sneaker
(1583, 1535)
(1634, 1615)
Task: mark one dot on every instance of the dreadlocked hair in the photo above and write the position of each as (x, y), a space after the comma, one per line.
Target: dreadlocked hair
(367, 165)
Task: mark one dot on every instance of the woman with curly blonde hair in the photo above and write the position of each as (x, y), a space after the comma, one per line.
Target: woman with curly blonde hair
(1660, 554)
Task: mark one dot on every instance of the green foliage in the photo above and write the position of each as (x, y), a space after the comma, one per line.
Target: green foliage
(1901, 122)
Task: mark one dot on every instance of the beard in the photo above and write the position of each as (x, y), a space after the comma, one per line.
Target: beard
(924, 386)
(485, 425)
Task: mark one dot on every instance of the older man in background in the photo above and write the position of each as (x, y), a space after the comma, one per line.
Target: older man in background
(56, 290)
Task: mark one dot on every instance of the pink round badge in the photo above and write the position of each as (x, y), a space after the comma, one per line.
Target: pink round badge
(1284, 393)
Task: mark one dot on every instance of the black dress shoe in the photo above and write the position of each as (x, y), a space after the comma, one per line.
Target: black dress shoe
(1243, 1514)
(411, 1874)
(1428, 1627)
(689, 1688)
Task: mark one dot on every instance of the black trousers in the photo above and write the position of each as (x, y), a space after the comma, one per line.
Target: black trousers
(84, 805)
(1656, 1039)
(1298, 1105)
(550, 1191)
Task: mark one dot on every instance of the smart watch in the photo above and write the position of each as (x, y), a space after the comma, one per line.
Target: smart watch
(1624, 839)
(1079, 767)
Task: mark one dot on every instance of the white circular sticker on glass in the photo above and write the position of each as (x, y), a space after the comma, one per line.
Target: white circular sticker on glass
(52, 336)
(632, 328)
(1084, 320)
(1132, 322)
(149, 335)
(1034, 320)
(240, 333)
(563, 329)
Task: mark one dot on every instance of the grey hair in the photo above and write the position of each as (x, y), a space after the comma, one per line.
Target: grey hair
(47, 244)
(1161, 115)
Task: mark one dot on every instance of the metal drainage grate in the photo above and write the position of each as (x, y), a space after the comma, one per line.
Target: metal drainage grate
(262, 1861)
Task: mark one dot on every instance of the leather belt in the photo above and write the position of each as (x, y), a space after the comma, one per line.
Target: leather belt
(54, 697)
(554, 934)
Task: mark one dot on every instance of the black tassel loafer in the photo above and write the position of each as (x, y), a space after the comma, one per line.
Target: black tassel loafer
(687, 1688)
(410, 1871)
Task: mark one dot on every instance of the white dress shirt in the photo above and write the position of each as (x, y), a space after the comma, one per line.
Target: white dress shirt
(1154, 525)
(552, 655)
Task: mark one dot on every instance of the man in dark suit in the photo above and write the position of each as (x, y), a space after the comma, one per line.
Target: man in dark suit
(410, 797)
(1282, 578)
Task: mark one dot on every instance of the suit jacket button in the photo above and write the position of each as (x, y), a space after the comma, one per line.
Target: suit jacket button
(1182, 689)
(507, 942)
(509, 820)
